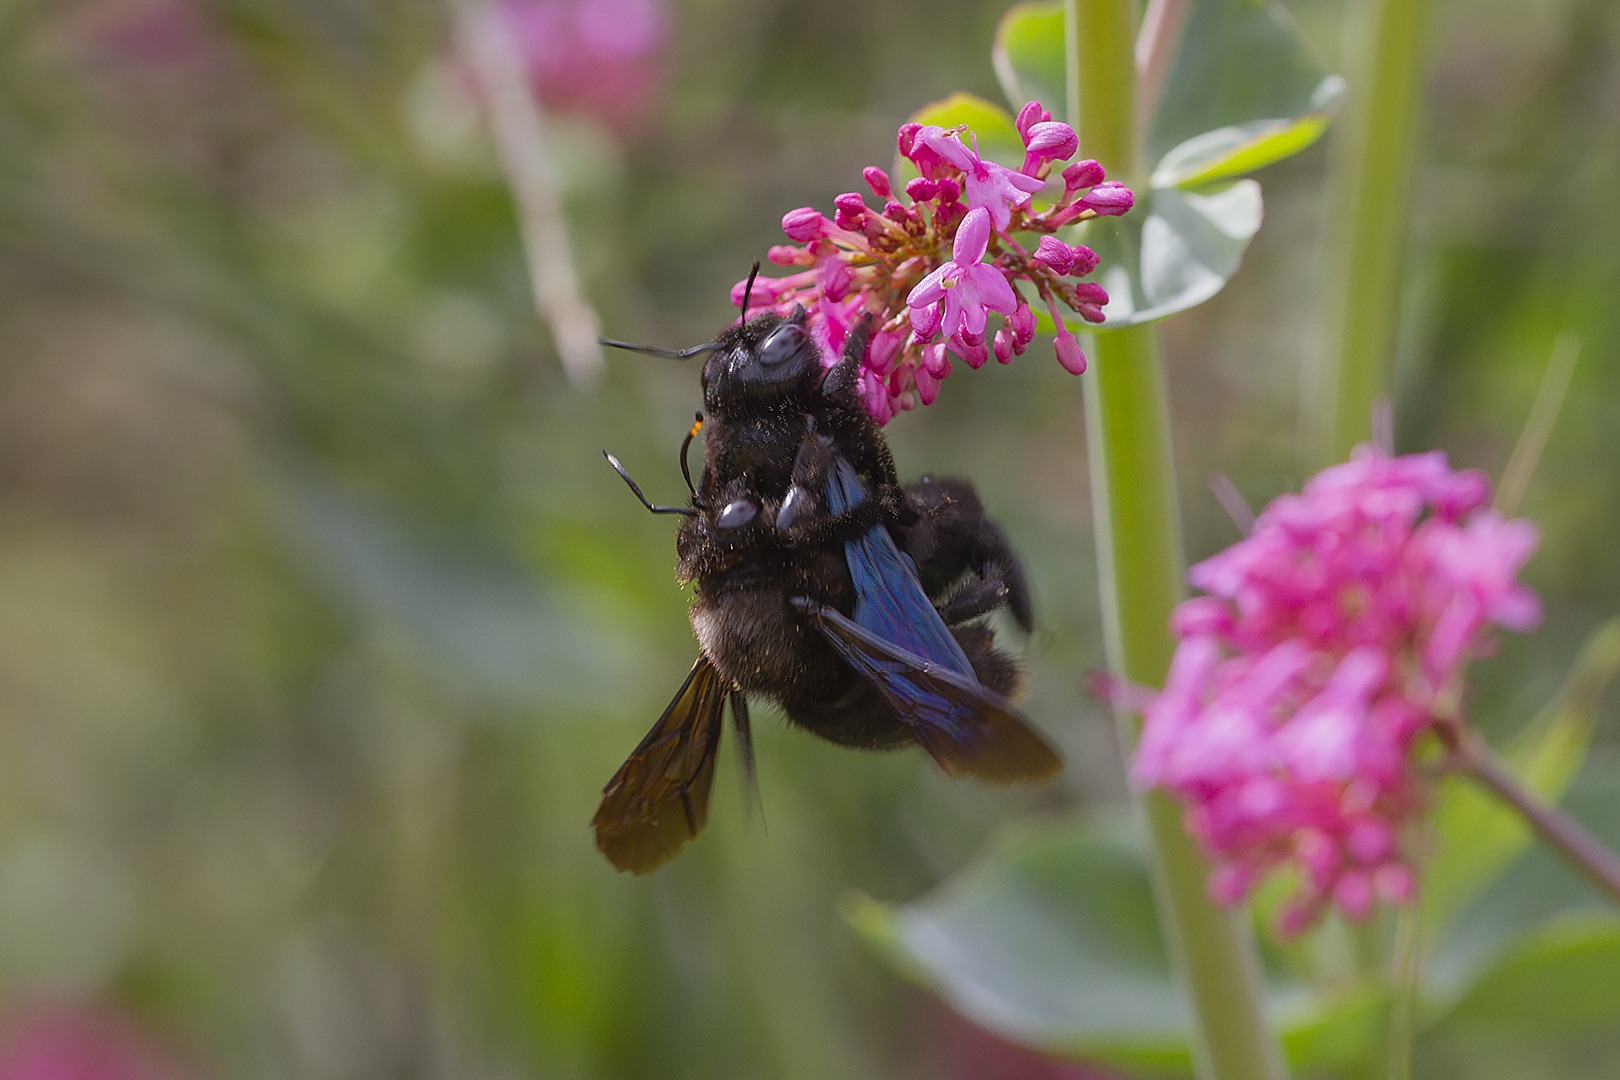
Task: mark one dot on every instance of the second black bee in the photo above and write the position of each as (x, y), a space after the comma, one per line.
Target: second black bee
(822, 584)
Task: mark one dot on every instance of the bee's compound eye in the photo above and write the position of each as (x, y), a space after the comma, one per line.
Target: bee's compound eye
(784, 342)
(737, 514)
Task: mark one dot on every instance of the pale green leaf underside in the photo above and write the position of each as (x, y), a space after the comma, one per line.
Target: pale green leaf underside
(1174, 251)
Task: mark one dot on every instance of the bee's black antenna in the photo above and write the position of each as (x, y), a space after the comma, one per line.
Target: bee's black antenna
(685, 470)
(671, 354)
(613, 461)
(748, 291)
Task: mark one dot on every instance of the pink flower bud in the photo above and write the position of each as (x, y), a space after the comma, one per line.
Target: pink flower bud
(874, 392)
(1069, 354)
(1023, 326)
(973, 354)
(1051, 140)
(804, 224)
(1085, 261)
(878, 181)
(1082, 174)
(1200, 615)
(949, 191)
(927, 385)
(882, 350)
(1002, 345)
(1089, 292)
(896, 212)
(1030, 115)
(1393, 882)
(1369, 840)
(1054, 253)
(851, 209)
(1354, 895)
(925, 320)
(784, 254)
(906, 138)
(1109, 199)
(922, 189)
(936, 361)
(835, 280)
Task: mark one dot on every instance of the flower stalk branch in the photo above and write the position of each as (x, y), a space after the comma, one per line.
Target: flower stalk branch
(1471, 755)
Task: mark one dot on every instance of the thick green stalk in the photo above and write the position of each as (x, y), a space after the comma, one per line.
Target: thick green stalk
(1372, 182)
(1140, 566)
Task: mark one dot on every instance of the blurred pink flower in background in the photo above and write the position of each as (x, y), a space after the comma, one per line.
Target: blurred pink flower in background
(147, 47)
(1333, 638)
(82, 1041)
(599, 58)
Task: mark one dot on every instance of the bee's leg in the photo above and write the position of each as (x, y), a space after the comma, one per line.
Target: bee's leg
(978, 596)
(745, 748)
(802, 519)
(841, 380)
(952, 537)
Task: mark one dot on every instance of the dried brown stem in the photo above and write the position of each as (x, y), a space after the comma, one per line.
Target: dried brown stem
(519, 130)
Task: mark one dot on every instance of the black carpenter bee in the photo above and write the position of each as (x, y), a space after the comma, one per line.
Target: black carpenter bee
(824, 585)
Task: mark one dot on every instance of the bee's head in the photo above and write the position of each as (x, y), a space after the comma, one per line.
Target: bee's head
(767, 359)
(755, 364)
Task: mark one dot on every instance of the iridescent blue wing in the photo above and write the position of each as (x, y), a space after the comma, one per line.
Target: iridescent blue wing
(889, 600)
(659, 798)
(898, 641)
(964, 726)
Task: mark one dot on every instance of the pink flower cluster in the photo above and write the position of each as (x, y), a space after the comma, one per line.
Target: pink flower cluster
(1331, 640)
(939, 257)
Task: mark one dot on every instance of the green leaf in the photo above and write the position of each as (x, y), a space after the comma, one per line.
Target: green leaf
(1561, 977)
(1028, 55)
(1052, 941)
(1478, 837)
(1243, 90)
(1173, 251)
(997, 135)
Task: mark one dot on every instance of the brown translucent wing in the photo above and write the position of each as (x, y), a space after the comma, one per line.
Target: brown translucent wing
(659, 798)
(966, 727)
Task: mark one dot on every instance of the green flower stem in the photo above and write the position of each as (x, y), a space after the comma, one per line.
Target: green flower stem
(1373, 179)
(1141, 566)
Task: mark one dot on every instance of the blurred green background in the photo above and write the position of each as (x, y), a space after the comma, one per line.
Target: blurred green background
(322, 621)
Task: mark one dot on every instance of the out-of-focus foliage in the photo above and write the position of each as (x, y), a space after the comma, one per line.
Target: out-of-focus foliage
(322, 621)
